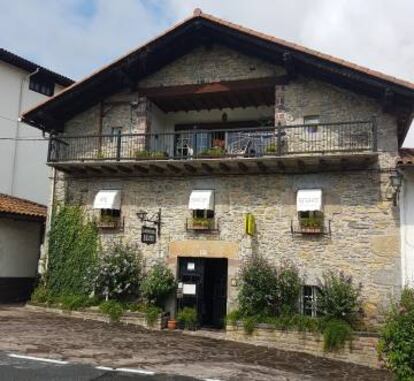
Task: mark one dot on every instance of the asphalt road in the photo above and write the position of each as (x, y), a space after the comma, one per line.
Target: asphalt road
(35, 369)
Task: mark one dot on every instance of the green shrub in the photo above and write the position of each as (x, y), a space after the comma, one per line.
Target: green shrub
(41, 295)
(76, 302)
(73, 243)
(339, 298)
(396, 345)
(249, 324)
(113, 309)
(158, 284)
(233, 317)
(188, 317)
(289, 285)
(151, 314)
(267, 290)
(335, 334)
(258, 287)
(118, 273)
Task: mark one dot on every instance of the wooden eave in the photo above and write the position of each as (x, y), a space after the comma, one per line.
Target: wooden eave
(206, 30)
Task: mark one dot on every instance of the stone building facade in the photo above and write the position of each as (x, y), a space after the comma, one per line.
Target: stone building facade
(356, 203)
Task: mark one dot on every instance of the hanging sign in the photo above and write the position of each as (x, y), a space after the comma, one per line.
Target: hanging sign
(148, 235)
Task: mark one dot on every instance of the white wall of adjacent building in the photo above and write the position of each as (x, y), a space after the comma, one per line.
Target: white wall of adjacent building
(407, 227)
(18, 256)
(23, 170)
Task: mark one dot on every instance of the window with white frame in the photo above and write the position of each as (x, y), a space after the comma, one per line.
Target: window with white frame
(201, 204)
(309, 208)
(312, 121)
(309, 300)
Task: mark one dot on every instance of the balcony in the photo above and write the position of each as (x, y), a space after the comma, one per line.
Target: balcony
(236, 150)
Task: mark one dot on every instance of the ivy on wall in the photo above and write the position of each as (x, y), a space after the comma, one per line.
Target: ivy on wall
(73, 246)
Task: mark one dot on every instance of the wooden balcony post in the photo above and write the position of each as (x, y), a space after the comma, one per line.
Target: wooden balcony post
(374, 134)
(118, 146)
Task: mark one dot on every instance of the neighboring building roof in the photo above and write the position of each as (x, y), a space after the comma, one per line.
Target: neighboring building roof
(406, 157)
(166, 47)
(18, 206)
(29, 66)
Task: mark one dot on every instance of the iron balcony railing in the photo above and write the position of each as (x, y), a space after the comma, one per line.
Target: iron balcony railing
(324, 138)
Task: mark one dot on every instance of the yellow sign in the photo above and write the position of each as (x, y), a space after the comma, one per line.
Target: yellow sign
(250, 224)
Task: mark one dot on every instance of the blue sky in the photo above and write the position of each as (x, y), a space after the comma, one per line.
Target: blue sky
(75, 37)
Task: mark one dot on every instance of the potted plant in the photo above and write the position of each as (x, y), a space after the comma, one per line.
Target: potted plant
(271, 148)
(202, 223)
(311, 225)
(108, 222)
(187, 318)
(212, 153)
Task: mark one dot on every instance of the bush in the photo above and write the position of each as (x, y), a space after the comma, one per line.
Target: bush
(41, 295)
(151, 314)
(233, 317)
(339, 298)
(158, 284)
(188, 317)
(113, 309)
(267, 290)
(73, 243)
(249, 324)
(258, 288)
(396, 345)
(118, 273)
(76, 302)
(335, 334)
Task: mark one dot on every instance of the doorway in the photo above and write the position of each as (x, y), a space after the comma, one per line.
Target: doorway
(203, 285)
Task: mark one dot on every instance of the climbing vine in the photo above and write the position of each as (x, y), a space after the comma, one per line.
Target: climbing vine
(73, 245)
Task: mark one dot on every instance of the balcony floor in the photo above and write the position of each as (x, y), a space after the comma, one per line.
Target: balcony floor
(220, 166)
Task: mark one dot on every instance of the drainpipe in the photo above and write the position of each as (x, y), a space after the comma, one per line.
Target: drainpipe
(16, 135)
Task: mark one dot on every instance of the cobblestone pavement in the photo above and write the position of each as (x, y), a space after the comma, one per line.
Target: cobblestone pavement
(44, 334)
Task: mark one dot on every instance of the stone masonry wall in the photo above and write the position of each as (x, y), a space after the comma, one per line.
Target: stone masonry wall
(365, 229)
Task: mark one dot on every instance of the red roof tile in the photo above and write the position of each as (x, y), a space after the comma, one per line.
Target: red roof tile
(406, 157)
(15, 205)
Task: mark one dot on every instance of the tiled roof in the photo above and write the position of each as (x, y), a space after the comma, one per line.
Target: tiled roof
(300, 48)
(406, 157)
(29, 66)
(20, 206)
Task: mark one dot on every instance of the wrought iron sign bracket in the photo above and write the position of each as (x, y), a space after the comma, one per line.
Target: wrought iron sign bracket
(154, 219)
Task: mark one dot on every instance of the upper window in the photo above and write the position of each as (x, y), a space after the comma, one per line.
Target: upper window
(41, 85)
(310, 212)
(312, 121)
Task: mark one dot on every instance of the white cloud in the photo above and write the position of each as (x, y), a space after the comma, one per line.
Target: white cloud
(373, 33)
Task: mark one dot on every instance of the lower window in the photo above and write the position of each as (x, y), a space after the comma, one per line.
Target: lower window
(309, 300)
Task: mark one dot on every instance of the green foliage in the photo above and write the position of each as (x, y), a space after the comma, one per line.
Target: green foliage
(41, 295)
(188, 317)
(233, 317)
(266, 290)
(212, 152)
(113, 309)
(73, 243)
(151, 314)
(144, 154)
(396, 345)
(207, 223)
(158, 284)
(271, 148)
(335, 334)
(249, 324)
(118, 273)
(339, 298)
(76, 302)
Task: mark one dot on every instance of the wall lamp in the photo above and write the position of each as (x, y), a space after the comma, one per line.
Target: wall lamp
(396, 182)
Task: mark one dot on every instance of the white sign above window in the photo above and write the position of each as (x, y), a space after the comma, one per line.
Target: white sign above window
(108, 199)
(201, 200)
(309, 200)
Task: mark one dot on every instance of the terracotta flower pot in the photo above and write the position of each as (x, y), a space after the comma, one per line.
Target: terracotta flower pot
(172, 324)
